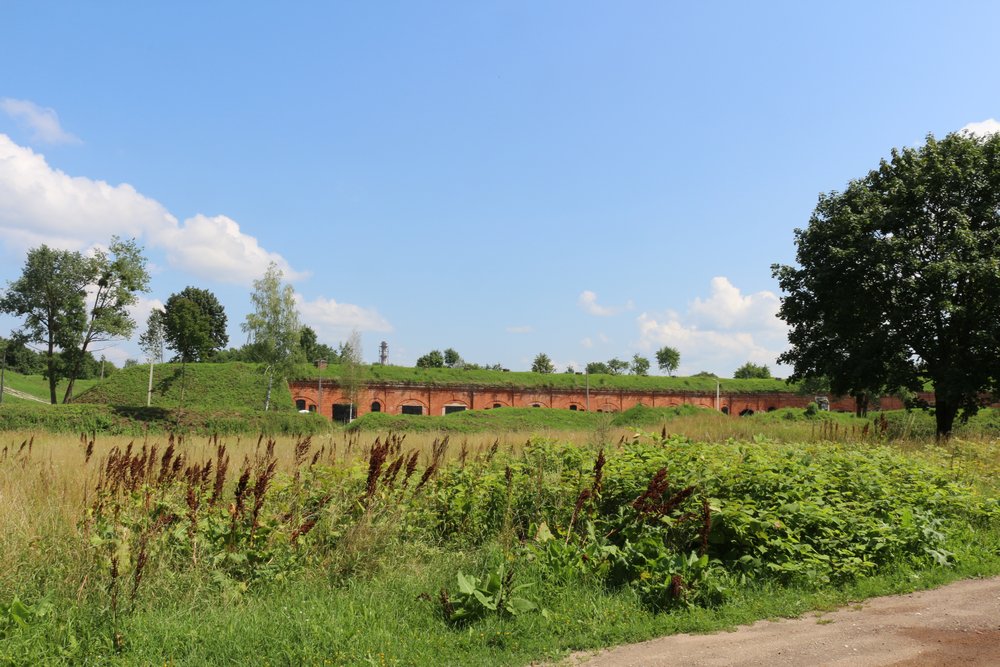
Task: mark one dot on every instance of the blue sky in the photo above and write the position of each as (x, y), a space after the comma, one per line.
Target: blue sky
(589, 180)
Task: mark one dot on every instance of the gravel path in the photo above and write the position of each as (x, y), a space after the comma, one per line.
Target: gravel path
(957, 624)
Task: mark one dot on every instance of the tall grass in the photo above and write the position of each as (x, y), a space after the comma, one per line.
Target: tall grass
(334, 548)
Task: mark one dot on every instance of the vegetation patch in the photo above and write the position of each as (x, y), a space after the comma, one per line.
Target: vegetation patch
(210, 386)
(304, 551)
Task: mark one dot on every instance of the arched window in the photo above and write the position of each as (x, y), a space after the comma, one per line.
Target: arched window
(300, 404)
(376, 406)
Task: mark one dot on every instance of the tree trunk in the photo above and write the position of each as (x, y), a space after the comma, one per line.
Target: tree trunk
(149, 391)
(52, 371)
(861, 404)
(944, 416)
(267, 397)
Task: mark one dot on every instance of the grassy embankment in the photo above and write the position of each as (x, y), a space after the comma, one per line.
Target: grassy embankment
(335, 551)
(218, 398)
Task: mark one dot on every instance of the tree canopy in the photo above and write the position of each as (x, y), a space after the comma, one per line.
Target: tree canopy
(433, 359)
(542, 364)
(750, 370)
(273, 327)
(50, 295)
(640, 365)
(668, 359)
(194, 324)
(898, 277)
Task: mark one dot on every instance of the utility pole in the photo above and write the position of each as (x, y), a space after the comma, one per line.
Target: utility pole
(3, 370)
(588, 388)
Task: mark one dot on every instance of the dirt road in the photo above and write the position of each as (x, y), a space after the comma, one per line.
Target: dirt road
(958, 624)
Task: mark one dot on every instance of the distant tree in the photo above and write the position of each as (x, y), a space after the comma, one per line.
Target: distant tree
(151, 341)
(452, 358)
(542, 364)
(50, 296)
(617, 366)
(705, 374)
(352, 369)
(598, 368)
(668, 359)
(570, 370)
(274, 327)
(21, 358)
(187, 330)
(750, 370)
(211, 334)
(433, 359)
(640, 365)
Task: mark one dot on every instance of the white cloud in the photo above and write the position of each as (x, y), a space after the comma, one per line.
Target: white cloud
(721, 332)
(588, 302)
(727, 308)
(334, 320)
(982, 129)
(215, 247)
(524, 329)
(39, 204)
(587, 342)
(42, 121)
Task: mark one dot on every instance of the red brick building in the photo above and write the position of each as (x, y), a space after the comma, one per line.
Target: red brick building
(327, 397)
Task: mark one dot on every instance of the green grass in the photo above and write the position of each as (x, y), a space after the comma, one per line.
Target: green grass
(38, 386)
(228, 386)
(502, 420)
(483, 378)
(362, 588)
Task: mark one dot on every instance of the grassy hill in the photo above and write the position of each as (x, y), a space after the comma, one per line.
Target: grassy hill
(37, 386)
(229, 386)
(483, 378)
(522, 419)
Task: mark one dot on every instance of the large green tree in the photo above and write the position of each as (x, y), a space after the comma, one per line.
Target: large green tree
(195, 324)
(898, 278)
(50, 295)
(115, 278)
(273, 327)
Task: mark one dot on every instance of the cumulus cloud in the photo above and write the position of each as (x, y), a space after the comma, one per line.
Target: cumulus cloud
(720, 332)
(588, 302)
(982, 129)
(39, 204)
(727, 308)
(41, 121)
(335, 320)
(524, 329)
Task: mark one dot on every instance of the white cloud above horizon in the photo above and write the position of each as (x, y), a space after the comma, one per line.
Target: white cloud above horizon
(588, 302)
(720, 332)
(40, 204)
(984, 128)
(43, 122)
(335, 321)
(522, 329)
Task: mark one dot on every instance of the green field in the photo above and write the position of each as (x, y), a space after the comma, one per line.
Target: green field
(336, 550)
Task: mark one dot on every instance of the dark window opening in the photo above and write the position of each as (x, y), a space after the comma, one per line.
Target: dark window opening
(312, 408)
(772, 409)
(572, 407)
(448, 409)
(412, 410)
(725, 409)
(497, 405)
(376, 407)
(300, 404)
(745, 413)
(536, 405)
(342, 412)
